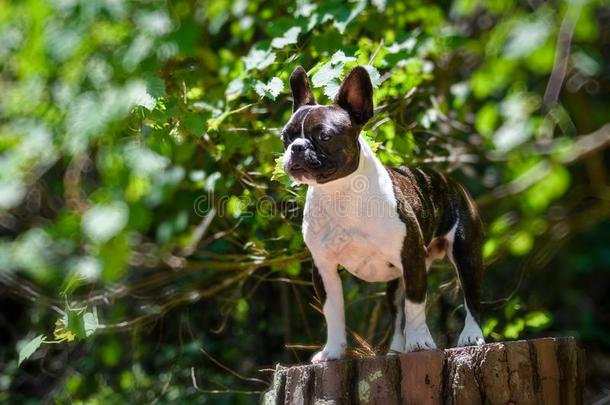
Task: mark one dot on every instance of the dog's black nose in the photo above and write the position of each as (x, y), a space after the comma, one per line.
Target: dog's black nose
(298, 147)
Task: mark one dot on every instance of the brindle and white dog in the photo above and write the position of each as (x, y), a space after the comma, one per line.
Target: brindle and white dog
(379, 223)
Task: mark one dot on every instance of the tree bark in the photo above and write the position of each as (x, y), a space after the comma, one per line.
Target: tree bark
(539, 371)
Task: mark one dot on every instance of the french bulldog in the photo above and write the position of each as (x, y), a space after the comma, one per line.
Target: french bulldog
(382, 224)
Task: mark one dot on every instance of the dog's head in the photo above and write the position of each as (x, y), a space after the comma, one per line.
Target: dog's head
(321, 141)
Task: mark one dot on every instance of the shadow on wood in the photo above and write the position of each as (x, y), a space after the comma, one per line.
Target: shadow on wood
(540, 371)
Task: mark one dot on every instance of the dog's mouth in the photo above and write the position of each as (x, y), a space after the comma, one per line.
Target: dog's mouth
(303, 171)
(296, 169)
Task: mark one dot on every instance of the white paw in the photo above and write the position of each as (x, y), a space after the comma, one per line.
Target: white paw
(397, 346)
(392, 352)
(471, 334)
(328, 354)
(419, 339)
(471, 338)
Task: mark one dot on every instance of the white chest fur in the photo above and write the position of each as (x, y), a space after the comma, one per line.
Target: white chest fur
(353, 221)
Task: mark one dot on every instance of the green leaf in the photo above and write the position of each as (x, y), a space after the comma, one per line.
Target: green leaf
(102, 222)
(552, 186)
(510, 135)
(114, 257)
(278, 170)
(290, 37)
(372, 143)
(271, 89)
(407, 45)
(91, 322)
(521, 243)
(259, 59)
(110, 352)
(343, 17)
(61, 331)
(143, 98)
(332, 88)
(527, 36)
(241, 310)
(380, 4)
(11, 193)
(196, 123)
(340, 57)
(489, 326)
(537, 319)
(490, 247)
(293, 269)
(155, 87)
(487, 118)
(235, 88)
(75, 324)
(29, 348)
(513, 329)
(327, 73)
(374, 75)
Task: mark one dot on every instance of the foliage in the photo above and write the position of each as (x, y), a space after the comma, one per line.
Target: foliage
(140, 215)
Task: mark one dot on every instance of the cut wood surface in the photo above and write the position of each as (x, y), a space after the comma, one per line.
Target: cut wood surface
(539, 371)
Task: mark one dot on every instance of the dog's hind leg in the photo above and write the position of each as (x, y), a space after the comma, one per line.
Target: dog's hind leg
(465, 253)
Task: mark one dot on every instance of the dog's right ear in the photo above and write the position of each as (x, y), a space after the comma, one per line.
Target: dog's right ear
(356, 95)
(301, 93)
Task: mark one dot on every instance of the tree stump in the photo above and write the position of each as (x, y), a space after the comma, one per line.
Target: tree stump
(539, 371)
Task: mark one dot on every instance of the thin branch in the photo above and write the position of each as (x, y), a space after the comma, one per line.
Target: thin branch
(588, 144)
(374, 55)
(229, 370)
(198, 233)
(562, 54)
(222, 392)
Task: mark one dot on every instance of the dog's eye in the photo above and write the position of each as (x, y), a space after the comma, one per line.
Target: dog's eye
(286, 137)
(325, 136)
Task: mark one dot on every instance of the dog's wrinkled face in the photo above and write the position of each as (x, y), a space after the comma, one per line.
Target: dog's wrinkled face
(321, 142)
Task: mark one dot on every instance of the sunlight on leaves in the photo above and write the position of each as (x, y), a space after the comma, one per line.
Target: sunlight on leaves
(521, 243)
(526, 37)
(289, 38)
(514, 328)
(29, 348)
(11, 194)
(259, 59)
(538, 319)
(328, 75)
(104, 221)
(278, 169)
(271, 89)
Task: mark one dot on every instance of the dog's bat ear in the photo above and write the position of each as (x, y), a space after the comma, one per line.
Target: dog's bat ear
(301, 92)
(356, 95)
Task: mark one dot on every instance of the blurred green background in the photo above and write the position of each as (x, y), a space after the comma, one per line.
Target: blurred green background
(149, 250)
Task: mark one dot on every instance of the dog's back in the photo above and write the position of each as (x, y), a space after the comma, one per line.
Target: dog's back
(436, 201)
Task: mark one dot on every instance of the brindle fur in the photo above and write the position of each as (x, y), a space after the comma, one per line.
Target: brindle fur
(430, 205)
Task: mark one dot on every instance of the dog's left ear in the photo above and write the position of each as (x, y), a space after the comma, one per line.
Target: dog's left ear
(301, 92)
(356, 95)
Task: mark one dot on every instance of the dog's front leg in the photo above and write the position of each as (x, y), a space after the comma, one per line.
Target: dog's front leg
(327, 284)
(417, 334)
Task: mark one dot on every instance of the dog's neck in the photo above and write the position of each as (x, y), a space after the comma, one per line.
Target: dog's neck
(369, 170)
